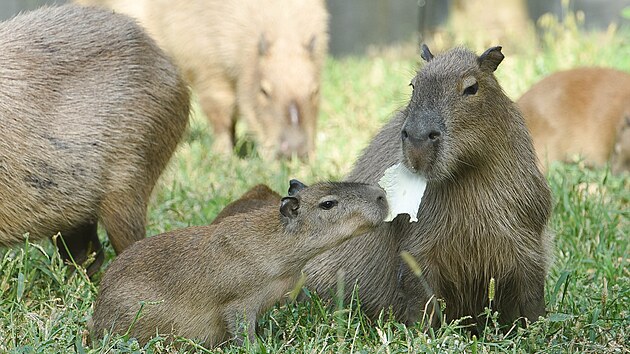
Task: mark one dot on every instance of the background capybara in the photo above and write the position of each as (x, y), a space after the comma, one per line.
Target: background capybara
(484, 211)
(620, 160)
(260, 60)
(260, 195)
(91, 111)
(207, 281)
(577, 111)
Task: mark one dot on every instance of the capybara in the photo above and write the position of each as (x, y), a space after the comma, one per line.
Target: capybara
(577, 112)
(484, 211)
(260, 195)
(207, 281)
(260, 60)
(620, 160)
(91, 110)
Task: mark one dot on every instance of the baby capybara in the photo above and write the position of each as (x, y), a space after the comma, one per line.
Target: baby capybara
(91, 111)
(207, 282)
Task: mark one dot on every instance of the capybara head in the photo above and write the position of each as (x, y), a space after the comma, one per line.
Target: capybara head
(332, 212)
(287, 86)
(449, 123)
(620, 160)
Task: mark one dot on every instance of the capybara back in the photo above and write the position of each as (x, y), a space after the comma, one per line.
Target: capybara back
(577, 112)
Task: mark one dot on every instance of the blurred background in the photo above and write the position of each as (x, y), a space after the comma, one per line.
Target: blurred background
(361, 26)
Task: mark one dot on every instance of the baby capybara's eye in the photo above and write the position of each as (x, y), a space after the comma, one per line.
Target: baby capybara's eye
(328, 204)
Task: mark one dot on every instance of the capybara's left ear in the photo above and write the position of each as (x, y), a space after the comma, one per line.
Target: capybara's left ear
(490, 59)
(289, 207)
(295, 186)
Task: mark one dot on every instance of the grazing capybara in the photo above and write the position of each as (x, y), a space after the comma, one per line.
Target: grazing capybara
(260, 195)
(259, 60)
(206, 282)
(484, 211)
(577, 112)
(91, 110)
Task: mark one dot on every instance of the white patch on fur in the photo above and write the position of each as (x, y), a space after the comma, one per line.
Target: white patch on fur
(404, 191)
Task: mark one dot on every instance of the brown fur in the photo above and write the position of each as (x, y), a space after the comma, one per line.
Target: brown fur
(578, 111)
(257, 197)
(260, 60)
(211, 279)
(484, 212)
(91, 111)
(620, 160)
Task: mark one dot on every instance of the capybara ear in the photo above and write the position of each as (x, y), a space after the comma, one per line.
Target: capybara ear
(295, 186)
(426, 53)
(289, 207)
(263, 45)
(490, 59)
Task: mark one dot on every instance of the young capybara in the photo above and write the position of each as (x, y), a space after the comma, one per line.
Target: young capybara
(206, 282)
(577, 112)
(260, 195)
(91, 110)
(259, 60)
(484, 211)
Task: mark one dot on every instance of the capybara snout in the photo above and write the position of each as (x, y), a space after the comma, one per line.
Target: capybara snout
(288, 107)
(421, 142)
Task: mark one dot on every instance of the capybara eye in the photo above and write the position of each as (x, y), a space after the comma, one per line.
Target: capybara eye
(472, 89)
(264, 92)
(328, 204)
(265, 88)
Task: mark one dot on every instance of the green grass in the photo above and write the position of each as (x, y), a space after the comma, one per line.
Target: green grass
(44, 309)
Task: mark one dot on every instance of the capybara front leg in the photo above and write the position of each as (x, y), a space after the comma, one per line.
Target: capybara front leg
(532, 299)
(78, 243)
(218, 103)
(124, 220)
(237, 320)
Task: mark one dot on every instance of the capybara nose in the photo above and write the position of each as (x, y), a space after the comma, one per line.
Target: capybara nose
(293, 144)
(420, 138)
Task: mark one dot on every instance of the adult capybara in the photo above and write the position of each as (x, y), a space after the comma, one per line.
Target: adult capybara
(91, 111)
(260, 60)
(484, 211)
(260, 195)
(577, 111)
(206, 282)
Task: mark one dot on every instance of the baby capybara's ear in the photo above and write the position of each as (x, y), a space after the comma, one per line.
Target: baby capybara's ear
(289, 207)
(490, 59)
(295, 186)
(426, 53)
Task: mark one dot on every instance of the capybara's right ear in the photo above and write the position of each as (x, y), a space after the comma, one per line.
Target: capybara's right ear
(289, 207)
(426, 53)
(490, 59)
(295, 186)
